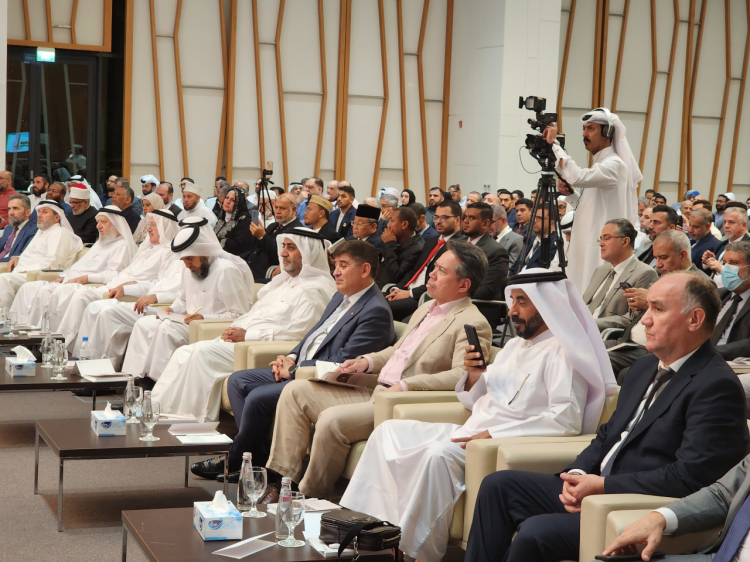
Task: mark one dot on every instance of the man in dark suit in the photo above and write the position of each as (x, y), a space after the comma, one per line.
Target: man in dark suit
(404, 299)
(266, 253)
(20, 229)
(699, 230)
(476, 227)
(340, 219)
(424, 229)
(401, 248)
(732, 334)
(522, 207)
(668, 443)
(365, 225)
(357, 321)
(542, 229)
(317, 215)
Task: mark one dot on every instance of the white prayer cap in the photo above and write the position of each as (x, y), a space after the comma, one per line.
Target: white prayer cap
(117, 218)
(80, 192)
(149, 178)
(561, 307)
(389, 191)
(620, 145)
(729, 195)
(192, 188)
(166, 224)
(561, 199)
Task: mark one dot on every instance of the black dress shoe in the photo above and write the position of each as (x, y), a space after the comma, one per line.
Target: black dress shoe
(208, 469)
(234, 477)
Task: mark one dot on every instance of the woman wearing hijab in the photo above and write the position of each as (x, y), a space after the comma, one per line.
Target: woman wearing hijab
(407, 197)
(233, 227)
(150, 202)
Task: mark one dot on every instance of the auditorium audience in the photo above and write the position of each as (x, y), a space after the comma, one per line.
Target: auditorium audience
(388, 202)
(150, 202)
(543, 229)
(699, 230)
(436, 196)
(522, 207)
(400, 249)
(317, 214)
(424, 229)
(476, 228)
(735, 228)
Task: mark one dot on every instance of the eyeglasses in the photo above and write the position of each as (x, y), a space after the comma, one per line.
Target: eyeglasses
(441, 218)
(607, 238)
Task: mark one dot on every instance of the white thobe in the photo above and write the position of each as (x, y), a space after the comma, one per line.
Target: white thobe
(108, 323)
(221, 295)
(191, 382)
(199, 210)
(612, 199)
(52, 248)
(411, 473)
(101, 263)
(149, 264)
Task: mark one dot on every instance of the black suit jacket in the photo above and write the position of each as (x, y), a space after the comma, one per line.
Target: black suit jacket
(329, 234)
(429, 245)
(375, 240)
(266, 253)
(493, 285)
(708, 243)
(345, 229)
(693, 433)
(536, 257)
(738, 342)
(397, 260)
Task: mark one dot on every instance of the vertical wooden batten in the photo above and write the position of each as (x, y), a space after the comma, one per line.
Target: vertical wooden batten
(232, 64)
(26, 19)
(725, 100)
(279, 84)
(178, 75)
(258, 88)
(223, 125)
(127, 104)
(446, 98)
(620, 51)
(384, 113)
(345, 87)
(48, 8)
(686, 101)
(740, 100)
(693, 80)
(651, 89)
(422, 111)
(341, 97)
(324, 83)
(564, 67)
(73, 15)
(402, 86)
(157, 97)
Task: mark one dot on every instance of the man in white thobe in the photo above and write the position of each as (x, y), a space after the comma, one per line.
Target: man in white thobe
(550, 381)
(215, 285)
(54, 246)
(150, 263)
(609, 188)
(111, 253)
(193, 205)
(287, 308)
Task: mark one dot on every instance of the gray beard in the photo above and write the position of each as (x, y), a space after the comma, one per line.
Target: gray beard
(14, 222)
(202, 272)
(107, 238)
(80, 212)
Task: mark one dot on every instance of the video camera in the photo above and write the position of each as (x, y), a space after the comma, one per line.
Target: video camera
(537, 145)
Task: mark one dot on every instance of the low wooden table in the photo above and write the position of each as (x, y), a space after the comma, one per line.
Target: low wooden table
(74, 440)
(22, 339)
(43, 381)
(168, 535)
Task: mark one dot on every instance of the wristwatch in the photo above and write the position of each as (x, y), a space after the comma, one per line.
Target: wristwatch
(293, 369)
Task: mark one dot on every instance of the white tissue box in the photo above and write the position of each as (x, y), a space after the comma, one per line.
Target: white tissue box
(19, 367)
(4, 329)
(215, 524)
(107, 423)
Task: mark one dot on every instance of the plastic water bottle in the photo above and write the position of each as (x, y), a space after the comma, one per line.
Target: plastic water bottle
(243, 500)
(85, 354)
(282, 531)
(45, 320)
(145, 404)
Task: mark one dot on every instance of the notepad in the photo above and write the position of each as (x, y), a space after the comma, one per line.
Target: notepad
(246, 547)
(219, 438)
(182, 428)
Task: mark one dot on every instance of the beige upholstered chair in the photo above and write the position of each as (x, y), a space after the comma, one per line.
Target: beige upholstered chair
(38, 275)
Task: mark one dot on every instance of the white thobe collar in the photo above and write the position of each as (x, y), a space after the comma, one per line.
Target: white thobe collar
(603, 153)
(545, 335)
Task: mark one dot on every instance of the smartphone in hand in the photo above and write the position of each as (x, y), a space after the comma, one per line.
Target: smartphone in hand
(473, 337)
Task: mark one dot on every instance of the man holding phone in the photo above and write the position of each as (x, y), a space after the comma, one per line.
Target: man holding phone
(551, 381)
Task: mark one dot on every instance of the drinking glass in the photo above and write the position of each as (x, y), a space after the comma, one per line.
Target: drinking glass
(12, 319)
(149, 416)
(48, 352)
(133, 397)
(255, 486)
(292, 512)
(60, 361)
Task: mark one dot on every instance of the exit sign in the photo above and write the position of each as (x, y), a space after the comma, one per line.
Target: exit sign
(45, 54)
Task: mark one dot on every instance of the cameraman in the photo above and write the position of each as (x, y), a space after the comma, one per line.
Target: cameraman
(615, 174)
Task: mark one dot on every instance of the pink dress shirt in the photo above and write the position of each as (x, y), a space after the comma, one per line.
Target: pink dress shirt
(392, 370)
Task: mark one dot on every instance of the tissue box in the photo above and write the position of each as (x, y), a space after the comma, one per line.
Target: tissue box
(215, 524)
(19, 367)
(107, 423)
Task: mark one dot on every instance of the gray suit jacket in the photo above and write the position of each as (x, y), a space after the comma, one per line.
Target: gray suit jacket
(513, 243)
(615, 308)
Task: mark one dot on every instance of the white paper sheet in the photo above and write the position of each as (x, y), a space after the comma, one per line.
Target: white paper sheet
(164, 315)
(219, 438)
(96, 367)
(246, 547)
(208, 428)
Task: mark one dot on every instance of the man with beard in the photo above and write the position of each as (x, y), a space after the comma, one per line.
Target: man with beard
(123, 199)
(148, 184)
(82, 215)
(721, 203)
(436, 196)
(266, 253)
(39, 187)
(193, 205)
(20, 229)
(166, 192)
(550, 381)
(215, 285)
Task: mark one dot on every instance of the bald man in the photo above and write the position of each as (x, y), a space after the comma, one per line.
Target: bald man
(6, 191)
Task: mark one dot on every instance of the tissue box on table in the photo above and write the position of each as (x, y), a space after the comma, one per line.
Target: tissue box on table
(22, 365)
(217, 520)
(107, 422)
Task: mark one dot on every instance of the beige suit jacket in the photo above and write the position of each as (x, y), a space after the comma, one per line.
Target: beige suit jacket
(438, 361)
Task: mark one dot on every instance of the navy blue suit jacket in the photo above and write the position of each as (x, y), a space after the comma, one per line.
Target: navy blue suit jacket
(512, 222)
(345, 229)
(366, 327)
(375, 240)
(708, 243)
(22, 240)
(429, 232)
(536, 257)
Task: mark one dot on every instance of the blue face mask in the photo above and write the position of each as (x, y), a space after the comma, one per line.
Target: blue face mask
(730, 276)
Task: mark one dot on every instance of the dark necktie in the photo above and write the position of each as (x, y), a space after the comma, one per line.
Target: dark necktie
(662, 376)
(599, 297)
(735, 534)
(9, 242)
(726, 319)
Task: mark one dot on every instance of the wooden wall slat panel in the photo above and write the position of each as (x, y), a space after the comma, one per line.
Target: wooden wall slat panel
(620, 51)
(324, 83)
(223, 125)
(280, 85)
(73, 14)
(402, 85)
(258, 89)
(180, 104)
(564, 68)
(232, 60)
(127, 105)
(384, 68)
(740, 101)
(157, 97)
(446, 98)
(725, 99)
(693, 80)
(423, 117)
(686, 100)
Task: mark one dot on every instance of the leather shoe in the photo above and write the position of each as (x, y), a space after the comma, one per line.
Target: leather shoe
(208, 469)
(234, 477)
(271, 496)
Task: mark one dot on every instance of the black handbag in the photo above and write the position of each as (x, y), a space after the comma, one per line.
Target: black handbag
(345, 527)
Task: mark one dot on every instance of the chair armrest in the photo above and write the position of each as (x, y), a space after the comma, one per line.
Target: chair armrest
(386, 401)
(305, 373)
(544, 454)
(387, 288)
(432, 413)
(4, 267)
(201, 330)
(608, 333)
(258, 354)
(35, 275)
(618, 520)
(270, 270)
(595, 511)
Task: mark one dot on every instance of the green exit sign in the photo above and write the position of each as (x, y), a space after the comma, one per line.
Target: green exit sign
(45, 54)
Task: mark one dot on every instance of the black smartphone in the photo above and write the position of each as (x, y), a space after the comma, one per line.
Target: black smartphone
(629, 557)
(471, 335)
(52, 270)
(625, 285)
